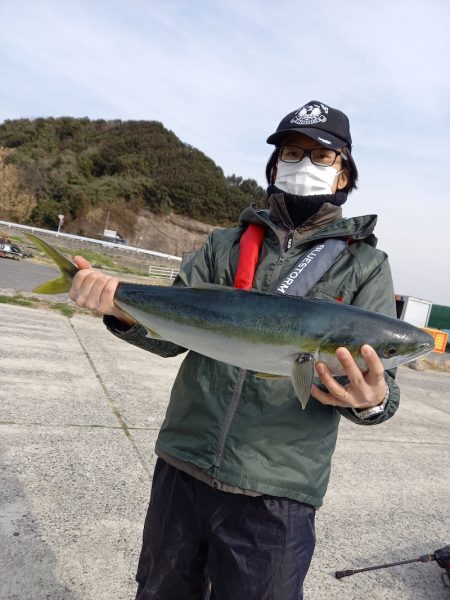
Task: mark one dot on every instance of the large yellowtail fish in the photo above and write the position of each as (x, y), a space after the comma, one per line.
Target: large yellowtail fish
(273, 335)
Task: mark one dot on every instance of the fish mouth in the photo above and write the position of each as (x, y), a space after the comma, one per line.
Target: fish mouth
(425, 348)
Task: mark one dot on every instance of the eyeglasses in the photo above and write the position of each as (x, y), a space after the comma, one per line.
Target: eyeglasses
(323, 157)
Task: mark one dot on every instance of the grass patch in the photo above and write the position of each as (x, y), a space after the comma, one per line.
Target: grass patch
(32, 302)
(19, 300)
(63, 308)
(14, 238)
(95, 258)
(98, 260)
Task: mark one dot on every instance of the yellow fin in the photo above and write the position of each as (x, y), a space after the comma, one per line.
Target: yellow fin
(68, 269)
(152, 334)
(302, 377)
(271, 376)
(60, 285)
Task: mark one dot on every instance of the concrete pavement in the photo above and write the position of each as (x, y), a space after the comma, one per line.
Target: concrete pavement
(79, 414)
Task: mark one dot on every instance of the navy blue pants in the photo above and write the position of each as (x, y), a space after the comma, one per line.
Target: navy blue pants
(250, 548)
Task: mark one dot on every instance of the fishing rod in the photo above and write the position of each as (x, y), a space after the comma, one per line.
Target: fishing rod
(441, 556)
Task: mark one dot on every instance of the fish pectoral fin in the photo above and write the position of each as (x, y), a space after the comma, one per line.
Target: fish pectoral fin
(302, 377)
(271, 376)
(152, 334)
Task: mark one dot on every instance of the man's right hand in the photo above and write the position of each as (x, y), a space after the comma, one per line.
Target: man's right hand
(94, 290)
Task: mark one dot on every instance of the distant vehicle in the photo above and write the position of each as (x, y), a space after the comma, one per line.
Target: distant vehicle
(413, 310)
(422, 313)
(109, 235)
(440, 319)
(10, 250)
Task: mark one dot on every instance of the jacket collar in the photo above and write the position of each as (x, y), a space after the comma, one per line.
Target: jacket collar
(328, 213)
(327, 222)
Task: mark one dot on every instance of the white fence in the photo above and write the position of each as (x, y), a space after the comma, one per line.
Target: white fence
(162, 272)
(80, 238)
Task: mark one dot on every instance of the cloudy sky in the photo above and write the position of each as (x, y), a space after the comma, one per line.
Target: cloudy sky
(222, 73)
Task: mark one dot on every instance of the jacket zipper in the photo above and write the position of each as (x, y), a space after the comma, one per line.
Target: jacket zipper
(289, 240)
(284, 248)
(229, 416)
(242, 372)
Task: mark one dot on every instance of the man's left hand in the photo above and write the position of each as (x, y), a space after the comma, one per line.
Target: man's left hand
(365, 390)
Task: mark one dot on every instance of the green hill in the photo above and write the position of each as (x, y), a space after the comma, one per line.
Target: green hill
(78, 166)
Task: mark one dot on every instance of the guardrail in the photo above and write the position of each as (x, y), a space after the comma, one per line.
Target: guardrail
(162, 272)
(80, 238)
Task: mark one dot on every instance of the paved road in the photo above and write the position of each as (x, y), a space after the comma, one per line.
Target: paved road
(79, 414)
(23, 275)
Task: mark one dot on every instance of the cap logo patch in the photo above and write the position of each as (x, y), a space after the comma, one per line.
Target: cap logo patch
(310, 114)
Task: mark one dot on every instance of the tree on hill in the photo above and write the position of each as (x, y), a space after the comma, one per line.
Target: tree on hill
(74, 166)
(15, 203)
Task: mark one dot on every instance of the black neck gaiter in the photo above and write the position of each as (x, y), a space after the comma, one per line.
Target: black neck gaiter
(300, 208)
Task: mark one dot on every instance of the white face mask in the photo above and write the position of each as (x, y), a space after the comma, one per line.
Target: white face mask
(304, 178)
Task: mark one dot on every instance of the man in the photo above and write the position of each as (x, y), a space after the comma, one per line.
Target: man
(241, 467)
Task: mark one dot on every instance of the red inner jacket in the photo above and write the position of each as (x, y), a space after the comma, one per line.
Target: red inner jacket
(249, 247)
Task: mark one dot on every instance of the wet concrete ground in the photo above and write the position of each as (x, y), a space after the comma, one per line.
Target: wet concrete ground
(79, 415)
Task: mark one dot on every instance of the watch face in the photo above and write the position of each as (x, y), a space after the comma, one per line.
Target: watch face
(373, 411)
(369, 412)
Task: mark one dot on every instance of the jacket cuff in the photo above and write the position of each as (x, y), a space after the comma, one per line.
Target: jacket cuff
(137, 336)
(389, 410)
(119, 328)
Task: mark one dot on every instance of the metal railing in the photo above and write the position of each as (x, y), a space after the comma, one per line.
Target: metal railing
(162, 272)
(80, 238)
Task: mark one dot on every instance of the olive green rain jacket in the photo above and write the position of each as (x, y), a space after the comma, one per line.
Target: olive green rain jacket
(245, 433)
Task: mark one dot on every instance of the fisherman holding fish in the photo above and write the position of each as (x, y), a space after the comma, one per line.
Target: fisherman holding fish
(242, 468)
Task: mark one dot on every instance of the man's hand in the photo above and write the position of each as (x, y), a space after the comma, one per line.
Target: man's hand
(364, 390)
(94, 290)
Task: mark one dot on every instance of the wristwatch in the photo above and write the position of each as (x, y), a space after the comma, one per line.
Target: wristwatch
(368, 413)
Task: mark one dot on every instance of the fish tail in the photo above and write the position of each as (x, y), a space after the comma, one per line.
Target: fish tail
(61, 284)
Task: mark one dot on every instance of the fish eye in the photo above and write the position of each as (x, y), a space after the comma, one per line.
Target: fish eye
(390, 351)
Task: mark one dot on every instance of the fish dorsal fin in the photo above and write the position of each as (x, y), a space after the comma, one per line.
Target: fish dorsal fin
(271, 376)
(261, 292)
(302, 377)
(226, 288)
(204, 287)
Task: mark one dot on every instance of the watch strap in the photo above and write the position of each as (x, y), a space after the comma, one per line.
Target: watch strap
(368, 413)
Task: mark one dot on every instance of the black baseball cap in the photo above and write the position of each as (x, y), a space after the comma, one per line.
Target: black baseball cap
(328, 126)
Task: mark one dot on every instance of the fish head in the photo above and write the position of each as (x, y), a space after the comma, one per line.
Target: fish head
(402, 345)
(394, 341)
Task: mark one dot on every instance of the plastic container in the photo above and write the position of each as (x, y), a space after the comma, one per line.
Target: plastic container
(440, 338)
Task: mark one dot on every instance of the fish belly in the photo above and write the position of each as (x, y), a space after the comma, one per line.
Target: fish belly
(276, 359)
